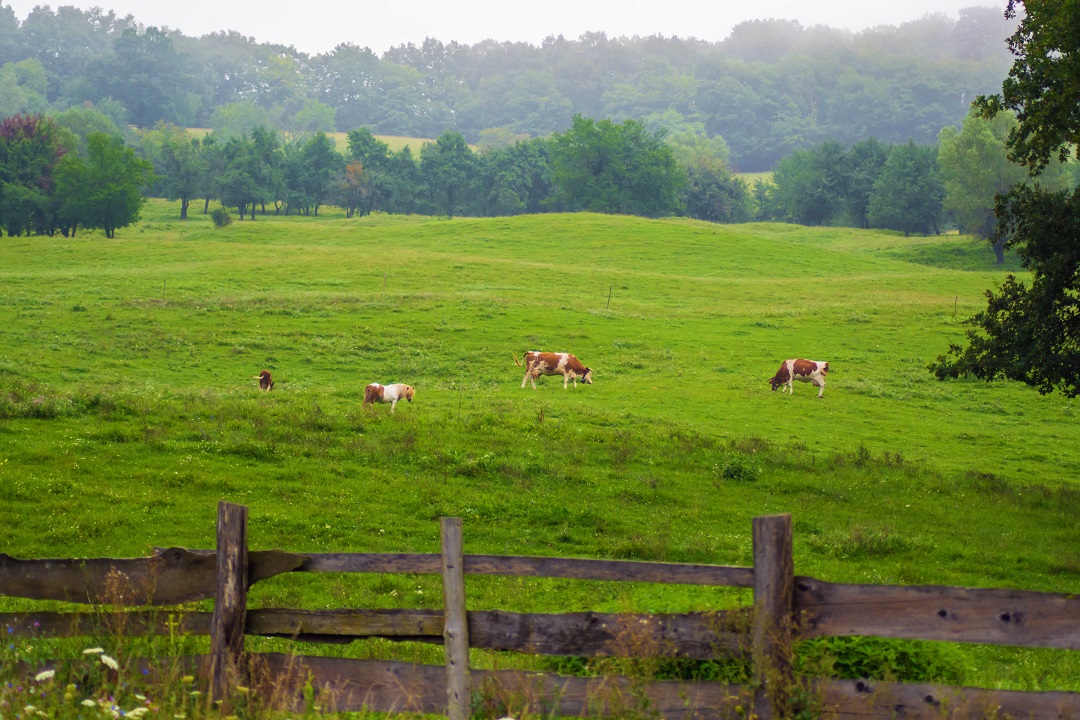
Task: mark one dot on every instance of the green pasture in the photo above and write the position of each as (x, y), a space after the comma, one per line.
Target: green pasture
(127, 408)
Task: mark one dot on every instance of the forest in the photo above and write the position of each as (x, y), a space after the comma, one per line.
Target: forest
(771, 87)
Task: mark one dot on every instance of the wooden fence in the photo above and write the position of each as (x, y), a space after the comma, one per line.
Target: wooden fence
(786, 608)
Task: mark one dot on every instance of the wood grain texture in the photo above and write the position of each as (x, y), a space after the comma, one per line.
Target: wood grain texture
(774, 580)
(83, 624)
(455, 624)
(865, 699)
(170, 576)
(1000, 617)
(524, 566)
(230, 603)
(700, 636)
(352, 685)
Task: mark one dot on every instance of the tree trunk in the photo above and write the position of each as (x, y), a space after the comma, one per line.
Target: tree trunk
(999, 250)
(206, 205)
(183, 208)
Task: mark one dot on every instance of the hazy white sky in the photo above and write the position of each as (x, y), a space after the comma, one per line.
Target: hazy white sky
(316, 26)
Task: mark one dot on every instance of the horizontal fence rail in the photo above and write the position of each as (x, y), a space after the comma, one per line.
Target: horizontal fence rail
(786, 608)
(700, 636)
(930, 612)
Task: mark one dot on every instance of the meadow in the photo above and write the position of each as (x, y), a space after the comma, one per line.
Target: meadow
(128, 408)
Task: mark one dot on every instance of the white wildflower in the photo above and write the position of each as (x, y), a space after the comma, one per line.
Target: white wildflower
(93, 651)
(89, 703)
(44, 675)
(110, 663)
(137, 712)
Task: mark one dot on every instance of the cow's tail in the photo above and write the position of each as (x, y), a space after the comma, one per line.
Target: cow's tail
(517, 361)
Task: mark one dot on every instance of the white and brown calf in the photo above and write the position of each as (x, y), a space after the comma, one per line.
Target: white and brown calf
(813, 371)
(376, 393)
(551, 363)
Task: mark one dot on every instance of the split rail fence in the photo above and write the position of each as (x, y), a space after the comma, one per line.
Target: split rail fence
(786, 608)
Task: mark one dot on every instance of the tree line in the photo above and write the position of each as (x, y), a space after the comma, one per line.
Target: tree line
(769, 88)
(594, 165)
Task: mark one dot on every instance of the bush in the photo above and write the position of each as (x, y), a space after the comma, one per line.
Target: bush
(220, 217)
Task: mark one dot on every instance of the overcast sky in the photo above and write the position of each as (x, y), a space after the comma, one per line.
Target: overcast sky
(316, 26)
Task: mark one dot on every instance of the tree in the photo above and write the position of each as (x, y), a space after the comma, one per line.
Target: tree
(178, 162)
(312, 118)
(374, 174)
(1032, 334)
(810, 184)
(908, 194)
(149, 77)
(447, 167)
(103, 191)
(514, 180)
(615, 168)
(865, 161)
(31, 148)
(311, 172)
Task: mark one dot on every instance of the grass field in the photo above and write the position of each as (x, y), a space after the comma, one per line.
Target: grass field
(127, 408)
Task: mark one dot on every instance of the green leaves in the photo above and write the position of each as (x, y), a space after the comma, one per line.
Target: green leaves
(600, 166)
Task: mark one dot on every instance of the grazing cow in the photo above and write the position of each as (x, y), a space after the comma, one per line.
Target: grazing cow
(549, 363)
(376, 393)
(265, 381)
(803, 370)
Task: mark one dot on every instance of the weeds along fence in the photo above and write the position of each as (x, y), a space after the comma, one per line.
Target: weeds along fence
(786, 608)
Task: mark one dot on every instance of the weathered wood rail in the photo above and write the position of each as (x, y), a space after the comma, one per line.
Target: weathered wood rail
(786, 608)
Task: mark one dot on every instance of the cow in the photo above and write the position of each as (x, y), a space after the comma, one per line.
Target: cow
(376, 393)
(803, 370)
(550, 363)
(265, 381)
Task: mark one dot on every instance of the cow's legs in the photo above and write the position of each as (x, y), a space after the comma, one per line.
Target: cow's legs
(821, 387)
(393, 404)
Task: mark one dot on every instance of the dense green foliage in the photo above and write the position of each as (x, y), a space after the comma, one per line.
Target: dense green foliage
(1033, 333)
(771, 87)
(615, 168)
(867, 185)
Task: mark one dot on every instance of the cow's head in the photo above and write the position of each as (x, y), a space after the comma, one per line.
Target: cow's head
(409, 392)
(775, 382)
(587, 377)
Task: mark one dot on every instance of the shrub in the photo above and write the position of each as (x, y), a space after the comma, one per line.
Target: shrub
(221, 217)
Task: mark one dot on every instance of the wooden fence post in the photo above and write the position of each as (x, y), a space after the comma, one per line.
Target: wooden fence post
(455, 627)
(774, 581)
(227, 666)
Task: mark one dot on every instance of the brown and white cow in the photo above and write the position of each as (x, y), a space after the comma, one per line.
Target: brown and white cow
(551, 363)
(265, 381)
(813, 371)
(376, 393)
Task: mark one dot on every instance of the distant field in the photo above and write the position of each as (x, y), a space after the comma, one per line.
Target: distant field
(395, 142)
(751, 178)
(127, 408)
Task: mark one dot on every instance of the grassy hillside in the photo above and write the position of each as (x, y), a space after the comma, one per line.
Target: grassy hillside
(127, 408)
